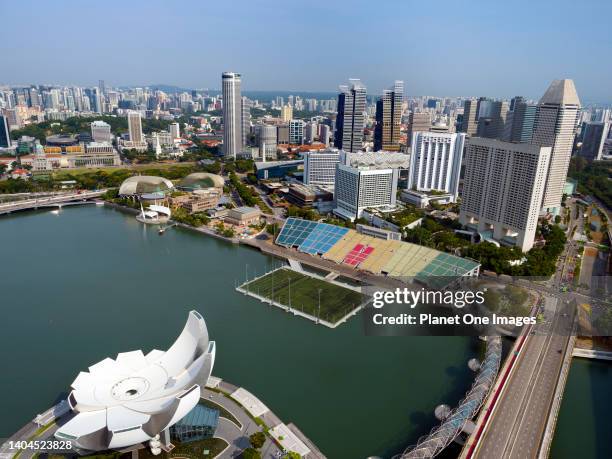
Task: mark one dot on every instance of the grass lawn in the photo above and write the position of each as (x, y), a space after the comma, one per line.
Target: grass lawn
(336, 301)
(84, 170)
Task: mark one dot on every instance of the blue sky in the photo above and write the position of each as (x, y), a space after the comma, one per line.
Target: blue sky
(491, 48)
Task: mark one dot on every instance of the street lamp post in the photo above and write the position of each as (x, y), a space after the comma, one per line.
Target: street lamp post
(289, 292)
(319, 311)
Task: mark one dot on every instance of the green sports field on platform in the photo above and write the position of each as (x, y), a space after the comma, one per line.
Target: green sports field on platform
(301, 292)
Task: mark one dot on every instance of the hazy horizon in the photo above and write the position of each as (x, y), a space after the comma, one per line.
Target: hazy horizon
(445, 49)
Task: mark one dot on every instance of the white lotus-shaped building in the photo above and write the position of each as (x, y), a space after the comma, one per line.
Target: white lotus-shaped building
(131, 399)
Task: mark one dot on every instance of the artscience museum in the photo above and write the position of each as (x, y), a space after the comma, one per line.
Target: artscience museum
(135, 397)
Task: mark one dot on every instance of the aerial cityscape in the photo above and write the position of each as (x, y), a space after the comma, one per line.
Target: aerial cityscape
(390, 260)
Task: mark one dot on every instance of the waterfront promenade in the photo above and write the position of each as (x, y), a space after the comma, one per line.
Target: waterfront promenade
(251, 415)
(592, 354)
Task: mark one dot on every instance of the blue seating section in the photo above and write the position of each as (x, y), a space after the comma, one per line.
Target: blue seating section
(308, 236)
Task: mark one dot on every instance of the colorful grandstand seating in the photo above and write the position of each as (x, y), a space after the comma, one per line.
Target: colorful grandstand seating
(378, 256)
(309, 237)
(358, 254)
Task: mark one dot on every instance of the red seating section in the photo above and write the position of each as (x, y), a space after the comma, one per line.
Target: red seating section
(358, 254)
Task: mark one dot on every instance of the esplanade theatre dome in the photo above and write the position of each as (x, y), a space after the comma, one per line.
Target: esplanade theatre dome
(201, 180)
(140, 184)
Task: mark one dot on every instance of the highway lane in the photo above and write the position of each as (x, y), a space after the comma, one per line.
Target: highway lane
(518, 421)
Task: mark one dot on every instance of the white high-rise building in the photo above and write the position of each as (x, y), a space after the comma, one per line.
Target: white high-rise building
(555, 126)
(245, 114)
(502, 190)
(101, 131)
(435, 163)
(135, 127)
(98, 100)
(232, 114)
(366, 180)
(311, 132)
(175, 130)
(320, 167)
(267, 141)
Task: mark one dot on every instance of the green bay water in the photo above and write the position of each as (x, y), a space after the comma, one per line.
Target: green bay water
(91, 281)
(584, 425)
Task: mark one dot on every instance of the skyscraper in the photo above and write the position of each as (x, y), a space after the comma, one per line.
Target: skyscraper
(175, 130)
(267, 141)
(502, 190)
(245, 114)
(5, 133)
(310, 132)
(418, 122)
(324, 134)
(470, 117)
(135, 127)
(521, 118)
(286, 113)
(97, 100)
(555, 126)
(388, 118)
(232, 114)
(296, 132)
(491, 118)
(593, 140)
(351, 117)
(366, 180)
(435, 163)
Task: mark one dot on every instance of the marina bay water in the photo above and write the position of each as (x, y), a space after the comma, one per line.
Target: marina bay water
(584, 424)
(91, 282)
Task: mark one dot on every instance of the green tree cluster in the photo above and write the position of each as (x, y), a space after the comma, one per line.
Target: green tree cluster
(437, 234)
(248, 197)
(306, 214)
(257, 439)
(540, 261)
(94, 179)
(250, 453)
(593, 178)
(196, 219)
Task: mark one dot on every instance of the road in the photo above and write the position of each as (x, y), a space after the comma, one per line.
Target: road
(518, 421)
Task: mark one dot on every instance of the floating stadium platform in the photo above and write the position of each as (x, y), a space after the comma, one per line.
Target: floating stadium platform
(371, 254)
